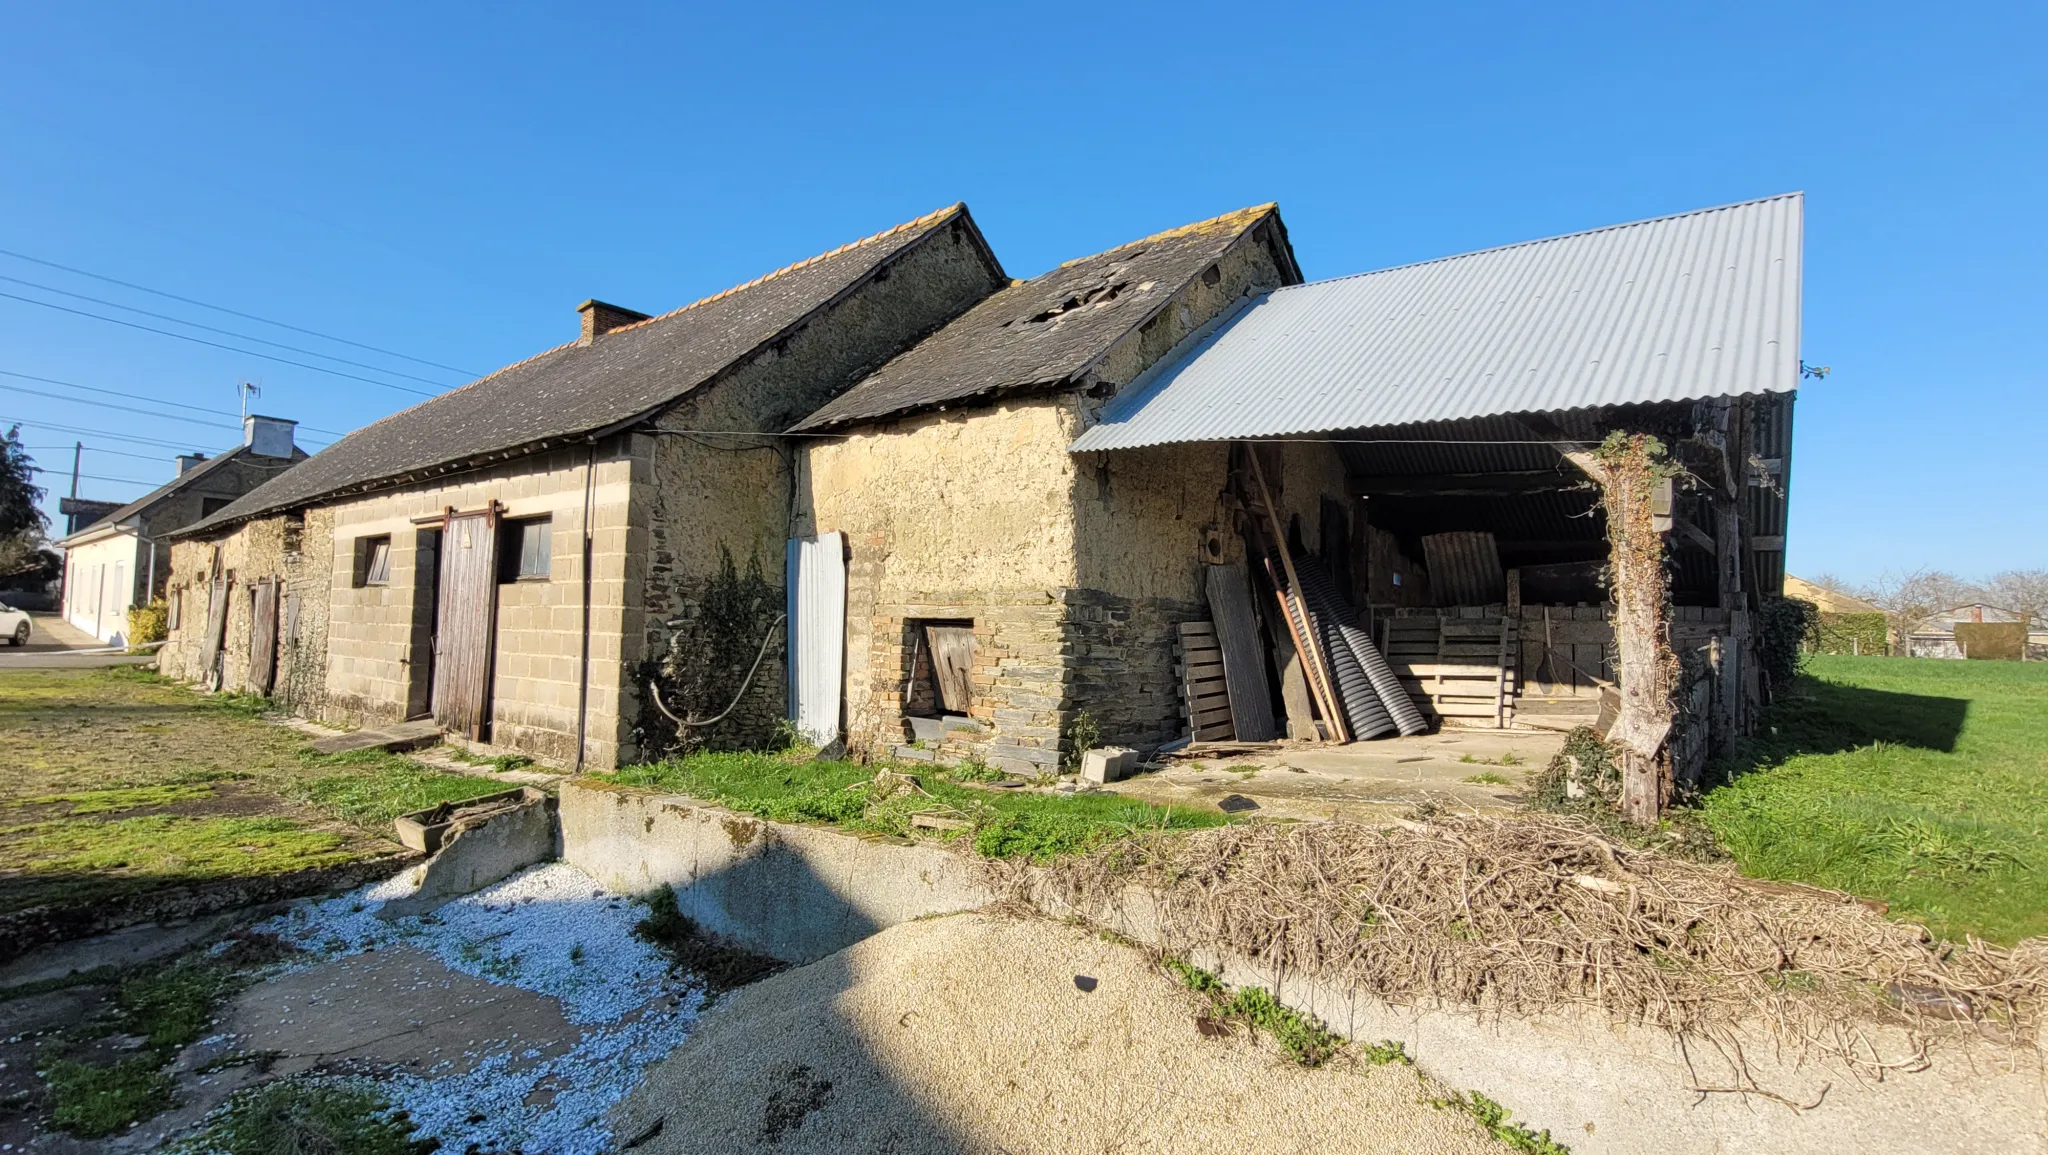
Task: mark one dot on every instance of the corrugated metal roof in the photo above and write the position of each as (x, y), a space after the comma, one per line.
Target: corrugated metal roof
(1705, 304)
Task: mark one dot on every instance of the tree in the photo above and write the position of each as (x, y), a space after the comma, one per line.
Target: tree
(1913, 599)
(19, 492)
(2023, 591)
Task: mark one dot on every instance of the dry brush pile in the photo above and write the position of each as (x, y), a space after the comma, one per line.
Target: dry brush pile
(1531, 914)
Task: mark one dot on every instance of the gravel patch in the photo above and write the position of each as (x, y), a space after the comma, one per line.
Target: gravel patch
(549, 930)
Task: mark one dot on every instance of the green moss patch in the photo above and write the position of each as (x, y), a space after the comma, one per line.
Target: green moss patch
(83, 859)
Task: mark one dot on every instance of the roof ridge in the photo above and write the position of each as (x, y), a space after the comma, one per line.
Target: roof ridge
(1547, 240)
(930, 218)
(1177, 230)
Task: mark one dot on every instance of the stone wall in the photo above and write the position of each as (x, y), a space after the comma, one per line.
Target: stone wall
(1074, 571)
(717, 495)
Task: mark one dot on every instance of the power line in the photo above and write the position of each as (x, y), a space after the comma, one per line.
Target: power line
(218, 345)
(39, 423)
(143, 397)
(123, 408)
(93, 449)
(232, 312)
(96, 477)
(214, 329)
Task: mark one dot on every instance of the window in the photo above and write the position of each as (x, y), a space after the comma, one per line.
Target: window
(175, 614)
(208, 506)
(373, 560)
(524, 548)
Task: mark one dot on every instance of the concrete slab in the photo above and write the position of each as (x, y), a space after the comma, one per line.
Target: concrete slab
(397, 737)
(1464, 770)
(394, 1008)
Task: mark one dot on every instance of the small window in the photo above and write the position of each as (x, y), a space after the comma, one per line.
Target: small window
(373, 560)
(175, 612)
(208, 506)
(524, 549)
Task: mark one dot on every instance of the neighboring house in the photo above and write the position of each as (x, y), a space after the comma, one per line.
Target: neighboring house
(1033, 499)
(1828, 601)
(122, 558)
(1937, 637)
(514, 557)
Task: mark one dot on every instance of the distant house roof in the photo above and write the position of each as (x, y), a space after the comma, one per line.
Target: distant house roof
(577, 389)
(1704, 304)
(1827, 600)
(174, 486)
(1048, 331)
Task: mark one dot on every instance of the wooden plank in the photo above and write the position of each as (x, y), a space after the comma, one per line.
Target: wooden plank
(1198, 629)
(263, 636)
(1320, 674)
(1244, 659)
(952, 650)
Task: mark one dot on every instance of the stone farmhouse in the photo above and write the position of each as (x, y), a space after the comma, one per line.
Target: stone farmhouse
(122, 558)
(1168, 492)
(506, 558)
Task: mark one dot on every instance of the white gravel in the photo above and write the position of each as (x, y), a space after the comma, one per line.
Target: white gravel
(549, 930)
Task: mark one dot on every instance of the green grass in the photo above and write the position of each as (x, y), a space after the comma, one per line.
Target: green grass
(1918, 782)
(90, 1101)
(1494, 1118)
(1005, 824)
(120, 782)
(1305, 1039)
(375, 787)
(1485, 778)
(307, 1116)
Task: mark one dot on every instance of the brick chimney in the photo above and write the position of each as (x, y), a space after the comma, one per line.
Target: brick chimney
(268, 436)
(600, 318)
(189, 461)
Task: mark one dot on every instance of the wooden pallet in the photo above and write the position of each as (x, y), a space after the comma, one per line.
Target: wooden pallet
(1205, 700)
(1460, 669)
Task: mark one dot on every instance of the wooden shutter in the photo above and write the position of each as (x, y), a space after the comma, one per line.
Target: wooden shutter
(465, 622)
(263, 637)
(952, 649)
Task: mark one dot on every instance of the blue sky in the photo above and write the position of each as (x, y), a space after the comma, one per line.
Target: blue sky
(449, 181)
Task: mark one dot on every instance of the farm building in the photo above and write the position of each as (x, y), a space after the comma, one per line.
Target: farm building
(1170, 488)
(1165, 492)
(121, 559)
(506, 559)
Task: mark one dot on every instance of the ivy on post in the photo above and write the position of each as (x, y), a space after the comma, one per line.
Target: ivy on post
(1631, 470)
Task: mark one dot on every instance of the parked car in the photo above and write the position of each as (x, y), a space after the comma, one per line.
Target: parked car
(14, 624)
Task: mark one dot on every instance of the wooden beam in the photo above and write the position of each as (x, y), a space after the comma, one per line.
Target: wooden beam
(1503, 484)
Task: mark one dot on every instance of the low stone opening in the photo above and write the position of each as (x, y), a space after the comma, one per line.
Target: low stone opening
(938, 685)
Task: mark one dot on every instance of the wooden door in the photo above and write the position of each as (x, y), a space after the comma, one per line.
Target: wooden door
(263, 637)
(465, 622)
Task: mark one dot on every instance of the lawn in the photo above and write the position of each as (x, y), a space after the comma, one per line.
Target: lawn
(120, 782)
(1002, 823)
(1919, 782)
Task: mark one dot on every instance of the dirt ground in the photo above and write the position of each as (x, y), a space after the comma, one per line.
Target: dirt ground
(984, 1033)
(1467, 771)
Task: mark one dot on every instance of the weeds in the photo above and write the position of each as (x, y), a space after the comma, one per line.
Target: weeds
(1494, 1118)
(723, 964)
(1305, 1039)
(308, 1116)
(1488, 778)
(91, 1101)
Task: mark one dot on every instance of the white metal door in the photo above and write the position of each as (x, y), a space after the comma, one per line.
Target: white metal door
(815, 576)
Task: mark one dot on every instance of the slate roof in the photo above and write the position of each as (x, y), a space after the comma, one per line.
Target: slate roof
(178, 484)
(574, 389)
(1048, 331)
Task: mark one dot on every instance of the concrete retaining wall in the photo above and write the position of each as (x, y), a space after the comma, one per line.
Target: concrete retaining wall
(801, 893)
(796, 892)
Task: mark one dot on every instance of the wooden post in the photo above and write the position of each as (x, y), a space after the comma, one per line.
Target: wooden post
(1647, 668)
(1318, 671)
